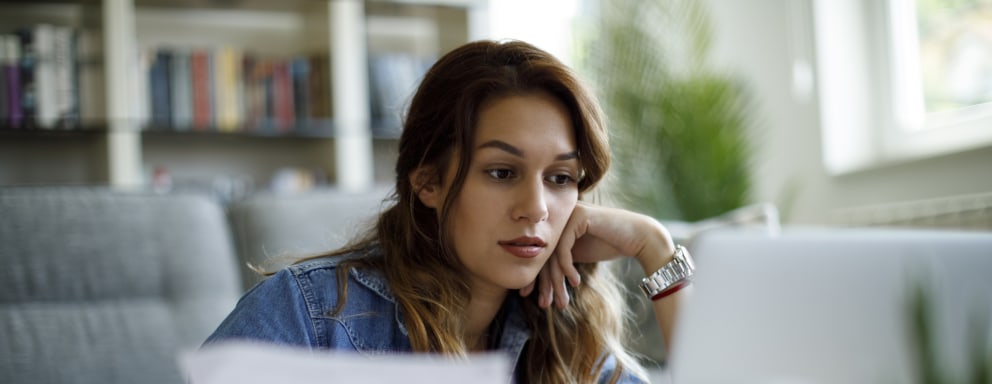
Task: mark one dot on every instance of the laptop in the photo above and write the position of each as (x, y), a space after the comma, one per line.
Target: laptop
(832, 306)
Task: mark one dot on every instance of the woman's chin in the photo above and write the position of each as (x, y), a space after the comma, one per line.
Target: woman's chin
(523, 281)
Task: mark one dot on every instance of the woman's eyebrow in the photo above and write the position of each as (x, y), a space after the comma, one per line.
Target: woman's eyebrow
(509, 148)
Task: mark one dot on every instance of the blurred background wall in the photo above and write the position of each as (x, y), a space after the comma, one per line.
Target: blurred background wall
(770, 43)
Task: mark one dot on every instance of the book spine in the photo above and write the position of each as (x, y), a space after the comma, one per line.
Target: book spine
(74, 116)
(182, 101)
(254, 94)
(4, 62)
(199, 78)
(268, 89)
(62, 69)
(15, 87)
(227, 76)
(27, 94)
(378, 91)
(46, 93)
(220, 96)
(300, 71)
(319, 87)
(283, 96)
(141, 90)
(212, 87)
(91, 85)
(237, 79)
(159, 74)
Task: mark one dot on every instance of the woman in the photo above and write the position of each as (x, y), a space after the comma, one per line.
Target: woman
(499, 142)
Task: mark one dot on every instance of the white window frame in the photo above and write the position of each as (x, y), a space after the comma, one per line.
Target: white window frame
(871, 103)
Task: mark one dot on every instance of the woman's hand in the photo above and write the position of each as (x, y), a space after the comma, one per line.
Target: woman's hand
(594, 233)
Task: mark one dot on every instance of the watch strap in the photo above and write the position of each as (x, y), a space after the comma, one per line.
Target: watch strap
(675, 274)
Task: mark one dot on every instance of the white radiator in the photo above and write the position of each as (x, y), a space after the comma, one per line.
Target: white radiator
(972, 212)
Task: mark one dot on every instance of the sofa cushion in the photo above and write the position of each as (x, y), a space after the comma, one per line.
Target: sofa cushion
(104, 286)
(275, 229)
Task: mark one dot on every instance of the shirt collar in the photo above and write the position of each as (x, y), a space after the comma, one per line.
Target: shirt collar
(515, 331)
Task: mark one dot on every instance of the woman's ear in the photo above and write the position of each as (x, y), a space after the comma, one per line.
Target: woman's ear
(427, 185)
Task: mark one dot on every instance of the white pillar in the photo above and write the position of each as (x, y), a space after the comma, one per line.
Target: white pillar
(123, 138)
(353, 136)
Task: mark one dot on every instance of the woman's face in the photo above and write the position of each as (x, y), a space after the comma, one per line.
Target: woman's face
(521, 188)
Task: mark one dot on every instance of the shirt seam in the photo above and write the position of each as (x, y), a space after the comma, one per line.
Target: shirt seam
(309, 300)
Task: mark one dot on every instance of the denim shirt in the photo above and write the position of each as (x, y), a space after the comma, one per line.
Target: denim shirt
(296, 307)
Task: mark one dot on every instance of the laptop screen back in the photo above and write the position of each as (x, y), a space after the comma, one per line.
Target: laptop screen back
(829, 306)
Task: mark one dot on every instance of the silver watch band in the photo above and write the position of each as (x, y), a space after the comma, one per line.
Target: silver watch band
(680, 268)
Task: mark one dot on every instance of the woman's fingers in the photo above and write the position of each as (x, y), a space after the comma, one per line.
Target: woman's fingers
(573, 230)
(558, 285)
(545, 289)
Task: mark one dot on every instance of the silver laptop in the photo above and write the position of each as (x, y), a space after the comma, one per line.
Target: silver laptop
(831, 306)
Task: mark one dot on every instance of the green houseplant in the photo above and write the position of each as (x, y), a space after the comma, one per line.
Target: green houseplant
(680, 140)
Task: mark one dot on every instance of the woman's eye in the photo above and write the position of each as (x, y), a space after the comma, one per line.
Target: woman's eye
(500, 173)
(562, 179)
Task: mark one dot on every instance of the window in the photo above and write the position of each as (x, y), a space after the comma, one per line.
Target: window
(902, 79)
(955, 52)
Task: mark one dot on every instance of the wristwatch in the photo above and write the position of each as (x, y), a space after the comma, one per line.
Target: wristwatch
(673, 275)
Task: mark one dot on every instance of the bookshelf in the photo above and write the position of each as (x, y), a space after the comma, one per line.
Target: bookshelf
(346, 138)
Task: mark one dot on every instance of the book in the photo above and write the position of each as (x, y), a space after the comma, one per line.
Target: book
(227, 88)
(255, 71)
(139, 89)
(282, 97)
(212, 88)
(181, 90)
(26, 74)
(4, 94)
(45, 83)
(91, 93)
(64, 84)
(299, 68)
(319, 86)
(160, 94)
(74, 116)
(268, 94)
(201, 89)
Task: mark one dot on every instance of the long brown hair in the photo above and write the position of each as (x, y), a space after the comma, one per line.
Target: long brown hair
(417, 257)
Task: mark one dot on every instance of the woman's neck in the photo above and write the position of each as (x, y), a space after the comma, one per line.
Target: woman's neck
(481, 311)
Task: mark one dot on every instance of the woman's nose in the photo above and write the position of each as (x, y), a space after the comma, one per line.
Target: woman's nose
(531, 203)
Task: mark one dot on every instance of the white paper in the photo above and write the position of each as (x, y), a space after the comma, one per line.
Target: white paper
(255, 363)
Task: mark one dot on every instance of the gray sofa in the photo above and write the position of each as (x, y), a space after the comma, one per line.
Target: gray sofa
(103, 286)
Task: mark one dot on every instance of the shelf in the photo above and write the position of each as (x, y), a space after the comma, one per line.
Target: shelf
(314, 130)
(321, 129)
(7, 132)
(115, 145)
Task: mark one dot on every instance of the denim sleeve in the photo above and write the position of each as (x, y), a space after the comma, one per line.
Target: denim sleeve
(273, 311)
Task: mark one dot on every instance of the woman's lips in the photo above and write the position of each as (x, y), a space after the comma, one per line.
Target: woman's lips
(524, 247)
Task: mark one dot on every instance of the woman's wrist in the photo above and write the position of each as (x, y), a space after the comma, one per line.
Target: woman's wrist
(670, 278)
(658, 250)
